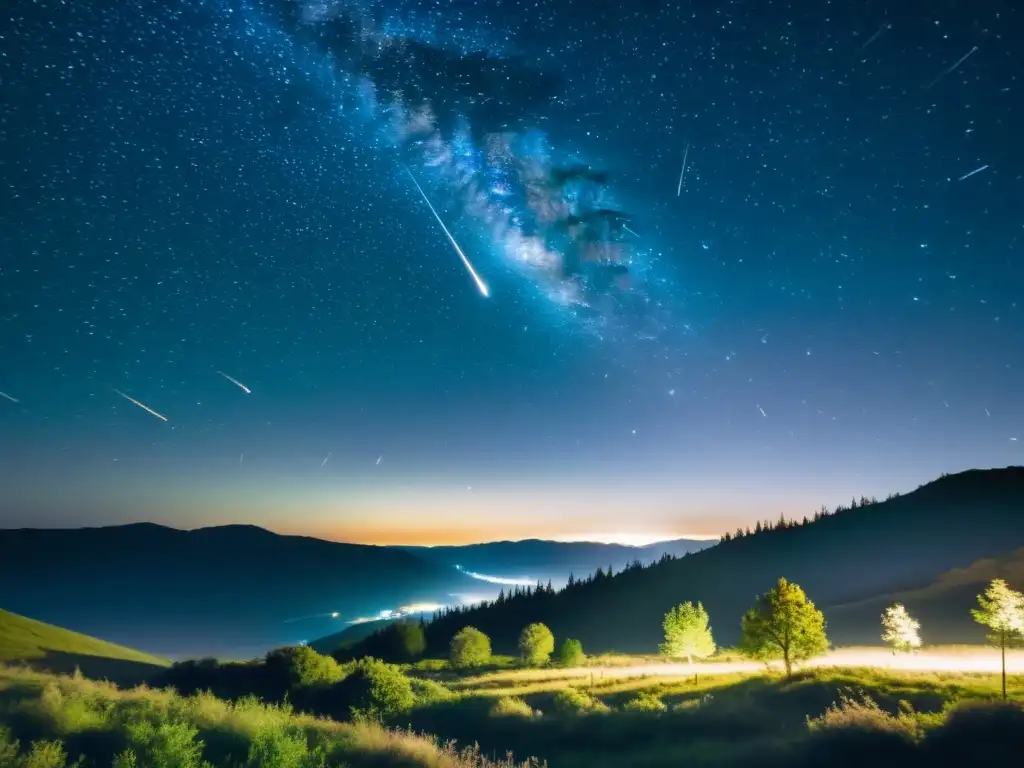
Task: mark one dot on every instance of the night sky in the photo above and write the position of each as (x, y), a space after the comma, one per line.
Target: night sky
(190, 191)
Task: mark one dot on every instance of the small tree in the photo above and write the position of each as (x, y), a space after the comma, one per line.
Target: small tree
(899, 629)
(570, 653)
(536, 644)
(1002, 611)
(784, 624)
(410, 639)
(469, 648)
(687, 633)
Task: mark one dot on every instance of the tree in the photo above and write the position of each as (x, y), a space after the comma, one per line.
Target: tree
(469, 648)
(536, 644)
(899, 629)
(687, 632)
(410, 639)
(570, 653)
(1001, 610)
(784, 624)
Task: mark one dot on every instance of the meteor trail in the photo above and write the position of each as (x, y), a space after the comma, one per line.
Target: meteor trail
(679, 188)
(236, 382)
(976, 170)
(480, 284)
(12, 399)
(141, 405)
(325, 460)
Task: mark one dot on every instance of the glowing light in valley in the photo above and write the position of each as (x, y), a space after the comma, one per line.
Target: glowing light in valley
(403, 610)
(480, 284)
(141, 405)
(523, 582)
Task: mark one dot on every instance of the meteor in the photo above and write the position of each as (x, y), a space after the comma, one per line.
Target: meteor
(236, 382)
(480, 284)
(679, 187)
(12, 399)
(141, 405)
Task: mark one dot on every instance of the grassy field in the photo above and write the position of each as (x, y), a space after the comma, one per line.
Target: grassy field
(28, 640)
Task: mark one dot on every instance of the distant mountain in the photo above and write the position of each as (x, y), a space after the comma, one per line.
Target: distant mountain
(855, 554)
(536, 560)
(231, 591)
(44, 646)
(943, 607)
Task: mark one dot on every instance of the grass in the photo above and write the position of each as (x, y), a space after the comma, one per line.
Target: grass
(97, 721)
(24, 639)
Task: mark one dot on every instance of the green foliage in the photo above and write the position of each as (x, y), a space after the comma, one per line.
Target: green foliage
(536, 644)
(410, 639)
(510, 706)
(276, 748)
(645, 701)
(375, 690)
(573, 701)
(687, 633)
(570, 653)
(858, 711)
(469, 648)
(429, 692)
(301, 666)
(784, 624)
(166, 744)
(900, 630)
(124, 759)
(1001, 609)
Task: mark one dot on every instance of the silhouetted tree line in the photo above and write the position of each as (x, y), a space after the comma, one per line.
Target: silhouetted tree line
(782, 524)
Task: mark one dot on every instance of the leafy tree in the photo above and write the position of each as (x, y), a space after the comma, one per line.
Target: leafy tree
(899, 629)
(469, 648)
(536, 644)
(1001, 610)
(410, 639)
(570, 653)
(302, 666)
(687, 633)
(784, 624)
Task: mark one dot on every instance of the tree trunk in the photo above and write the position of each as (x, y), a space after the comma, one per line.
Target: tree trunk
(786, 661)
(1002, 650)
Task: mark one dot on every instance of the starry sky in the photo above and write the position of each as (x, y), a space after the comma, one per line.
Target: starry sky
(826, 305)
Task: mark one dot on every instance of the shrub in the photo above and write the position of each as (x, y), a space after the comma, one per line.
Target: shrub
(275, 748)
(430, 691)
(573, 701)
(470, 648)
(645, 702)
(301, 666)
(375, 690)
(570, 653)
(168, 744)
(511, 706)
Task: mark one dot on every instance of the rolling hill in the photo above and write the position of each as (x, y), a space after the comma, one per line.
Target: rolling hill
(855, 554)
(943, 606)
(46, 647)
(231, 591)
(536, 560)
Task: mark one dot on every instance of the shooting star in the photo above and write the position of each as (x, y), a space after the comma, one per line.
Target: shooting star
(236, 382)
(762, 411)
(143, 406)
(877, 34)
(952, 67)
(679, 187)
(329, 615)
(379, 458)
(480, 284)
(325, 460)
(8, 397)
(976, 170)
(634, 234)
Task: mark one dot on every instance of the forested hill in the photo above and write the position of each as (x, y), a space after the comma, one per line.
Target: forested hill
(856, 552)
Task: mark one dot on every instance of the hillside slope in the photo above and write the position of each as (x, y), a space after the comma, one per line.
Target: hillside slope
(536, 560)
(46, 647)
(943, 607)
(886, 547)
(232, 591)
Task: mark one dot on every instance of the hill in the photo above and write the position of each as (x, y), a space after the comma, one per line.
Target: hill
(536, 560)
(46, 647)
(858, 552)
(942, 607)
(231, 591)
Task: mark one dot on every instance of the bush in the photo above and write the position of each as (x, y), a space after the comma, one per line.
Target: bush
(511, 706)
(570, 653)
(469, 648)
(573, 701)
(645, 702)
(429, 691)
(167, 744)
(536, 643)
(301, 666)
(274, 748)
(374, 690)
